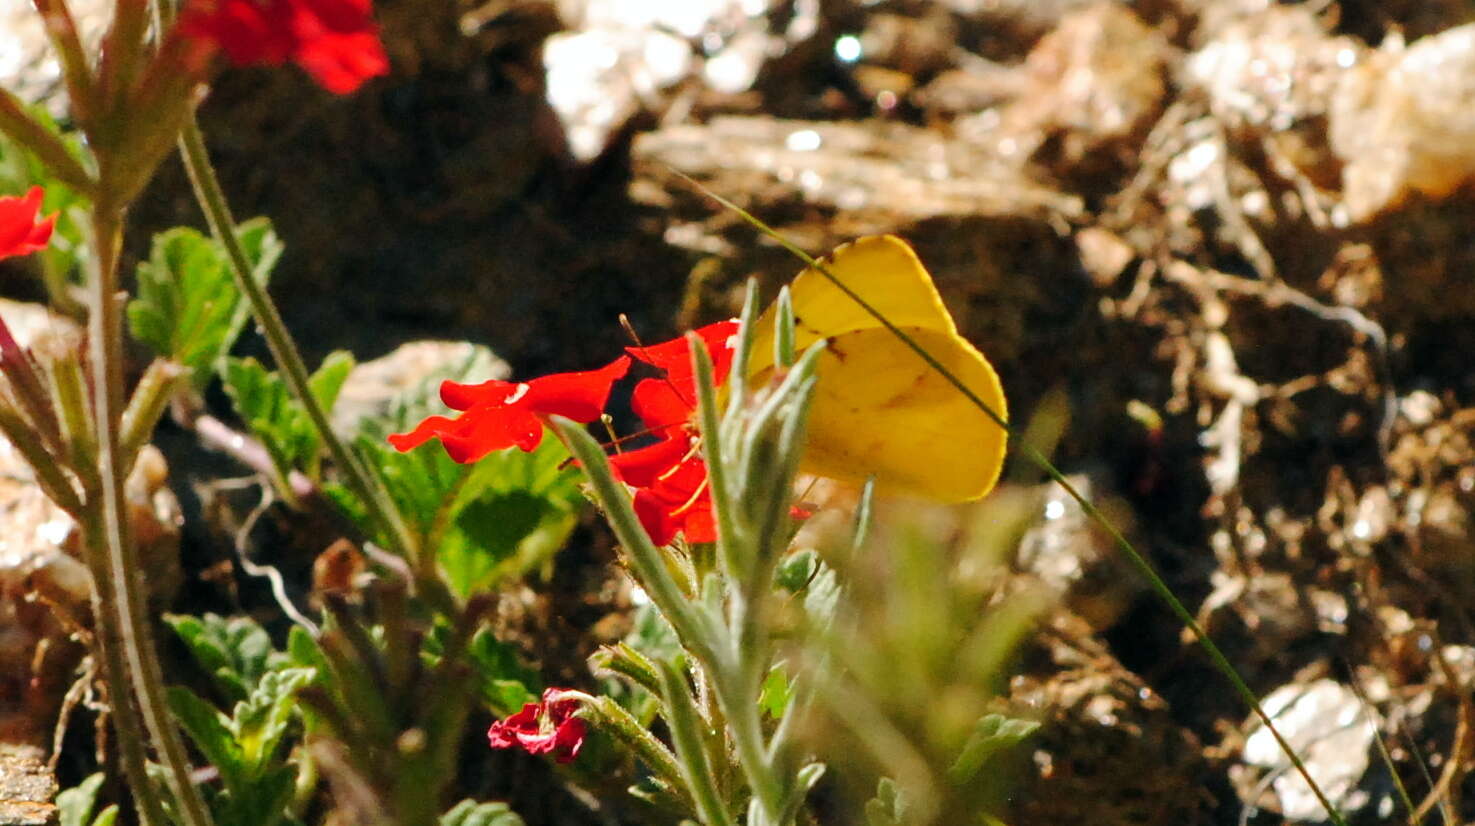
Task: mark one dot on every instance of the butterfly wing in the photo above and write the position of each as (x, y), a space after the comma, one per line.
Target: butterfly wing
(879, 409)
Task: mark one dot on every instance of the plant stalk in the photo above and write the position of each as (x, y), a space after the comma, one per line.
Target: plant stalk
(222, 225)
(105, 339)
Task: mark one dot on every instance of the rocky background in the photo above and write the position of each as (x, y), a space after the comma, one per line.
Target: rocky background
(1232, 237)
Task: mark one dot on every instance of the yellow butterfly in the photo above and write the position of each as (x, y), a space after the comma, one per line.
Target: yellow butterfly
(879, 410)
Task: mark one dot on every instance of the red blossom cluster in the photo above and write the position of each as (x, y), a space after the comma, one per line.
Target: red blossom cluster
(669, 476)
(334, 41)
(545, 727)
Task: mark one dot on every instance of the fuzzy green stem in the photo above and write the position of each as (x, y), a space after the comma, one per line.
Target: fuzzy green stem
(376, 501)
(68, 387)
(693, 629)
(146, 407)
(122, 51)
(691, 753)
(770, 434)
(105, 338)
(24, 130)
(109, 639)
(620, 724)
(25, 439)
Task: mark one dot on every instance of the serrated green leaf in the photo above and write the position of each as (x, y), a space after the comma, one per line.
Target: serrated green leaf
(259, 722)
(263, 803)
(488, 520)
(992, 734)
(471, 813)
(187, 306)
(262, 400)
(329, 378)
(236, 651)
(211, 733)
(74, 806)
(889, 806)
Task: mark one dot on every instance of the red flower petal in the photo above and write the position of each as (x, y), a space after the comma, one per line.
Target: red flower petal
(335, 41)
(659, 404)
(20, 231)
(503, 414)
(545, 727)
(675, 355)
(673, 397)
(679, 500)
(655, 516)
(577, 396)
(644, 466)
(249, 32)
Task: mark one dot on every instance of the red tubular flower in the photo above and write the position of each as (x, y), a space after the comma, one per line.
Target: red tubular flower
(335, 41)
(20, 231)
(545, 727)
(672, 494)
(501, 414)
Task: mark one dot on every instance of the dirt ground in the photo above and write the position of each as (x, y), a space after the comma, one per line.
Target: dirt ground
(1234, 235)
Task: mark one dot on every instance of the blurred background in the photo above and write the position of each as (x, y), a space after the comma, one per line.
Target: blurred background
(1227, 242)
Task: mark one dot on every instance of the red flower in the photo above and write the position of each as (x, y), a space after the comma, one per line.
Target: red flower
(545, 727)
(335, 41)
(672, 495)
(500, 414)
(20, 232)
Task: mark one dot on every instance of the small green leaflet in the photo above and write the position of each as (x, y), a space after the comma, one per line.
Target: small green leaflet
(188, 308)
(278, 420)
(74, 806)
(471, 813)
(992, 734)
(236, 651)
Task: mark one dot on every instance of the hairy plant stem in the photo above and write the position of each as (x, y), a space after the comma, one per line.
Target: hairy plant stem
(363, 484)
(283, 348)
(131, 738)
(121, 575)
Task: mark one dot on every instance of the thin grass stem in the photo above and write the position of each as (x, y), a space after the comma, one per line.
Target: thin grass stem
(1144, 567)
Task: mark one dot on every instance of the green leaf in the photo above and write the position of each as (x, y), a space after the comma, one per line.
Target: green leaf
(487, 521)
(502, 681)
(992, 734)
(264, 803)
(187, 306)
(260, 722)
(496, 518)
(471, 813)
(74, 806)
(236, 650)
(212, 735)
(889, 807)
(261, 399)
(776, 692)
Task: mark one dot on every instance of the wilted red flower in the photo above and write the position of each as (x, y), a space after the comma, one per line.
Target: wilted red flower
(500, 414)
(20, 231)
(670, 477)
(545, 727)
(335, 41)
